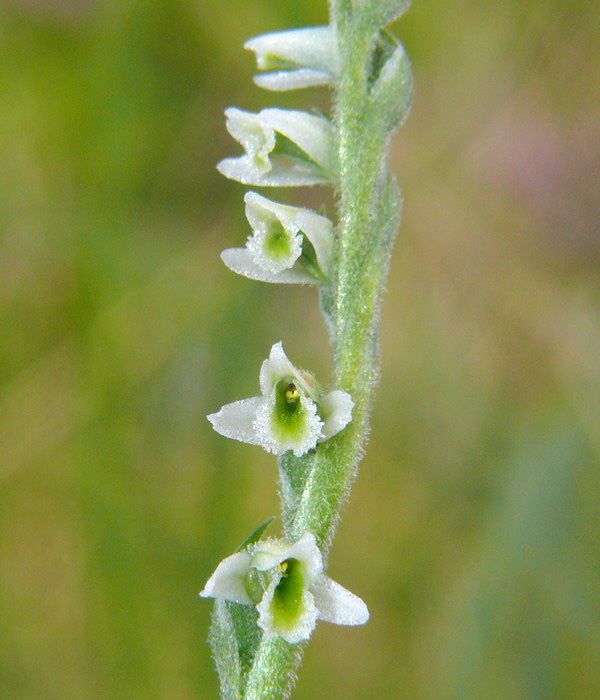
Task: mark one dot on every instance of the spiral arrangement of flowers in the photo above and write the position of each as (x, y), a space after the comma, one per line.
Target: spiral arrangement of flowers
(271, 592)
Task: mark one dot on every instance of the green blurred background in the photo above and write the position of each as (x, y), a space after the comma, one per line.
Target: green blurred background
(473, 530)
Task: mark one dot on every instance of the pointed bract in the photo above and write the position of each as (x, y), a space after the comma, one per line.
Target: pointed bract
(392, 92)
(383, 12)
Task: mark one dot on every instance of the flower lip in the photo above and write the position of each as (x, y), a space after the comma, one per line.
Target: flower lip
(276, 242)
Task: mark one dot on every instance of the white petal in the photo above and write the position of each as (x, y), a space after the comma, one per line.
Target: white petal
(319, 231)
(259, 207)
(227, 582)
(314, 47)
(299, 443)
(278, 367)
(336, 604)
(300, 631)
(275, 368)
(269, 553)
(314, 135)
(336, 412)
(284, 172)
(235, 420)
(293, 79)
(241, 261)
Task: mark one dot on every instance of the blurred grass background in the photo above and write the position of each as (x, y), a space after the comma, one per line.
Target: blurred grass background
(473, 530)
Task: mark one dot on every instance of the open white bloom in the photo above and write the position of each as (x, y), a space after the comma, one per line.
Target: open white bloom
(291, 414)
(284, 148)
(298, 594)
(298, 58)
(288, 244)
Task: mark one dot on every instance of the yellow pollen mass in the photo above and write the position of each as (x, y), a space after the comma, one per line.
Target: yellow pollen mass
(292, 395)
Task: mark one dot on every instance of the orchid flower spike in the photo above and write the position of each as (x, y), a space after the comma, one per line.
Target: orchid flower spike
(298, 593)
(292, 413)
(288, 244)
(284, 148)
(297, 58)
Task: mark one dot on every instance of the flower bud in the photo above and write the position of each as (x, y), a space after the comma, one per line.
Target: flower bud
(298, 58)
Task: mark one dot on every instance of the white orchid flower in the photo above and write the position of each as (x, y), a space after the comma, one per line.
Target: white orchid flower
(288, 244)
(298, 594)
(297, 58)
(291, 414)
(284, 148)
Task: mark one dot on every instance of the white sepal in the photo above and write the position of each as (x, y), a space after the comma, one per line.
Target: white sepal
(236, 420)
(336, 411)
(264, 163)
(293, 79)
(337, 604)
(227, 582)
(299, 58)
(240, 260)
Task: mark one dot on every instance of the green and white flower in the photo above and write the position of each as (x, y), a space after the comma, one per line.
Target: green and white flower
(297, 58)
(284, 148)
(288, 244)
(297, 594)
(291, 414)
